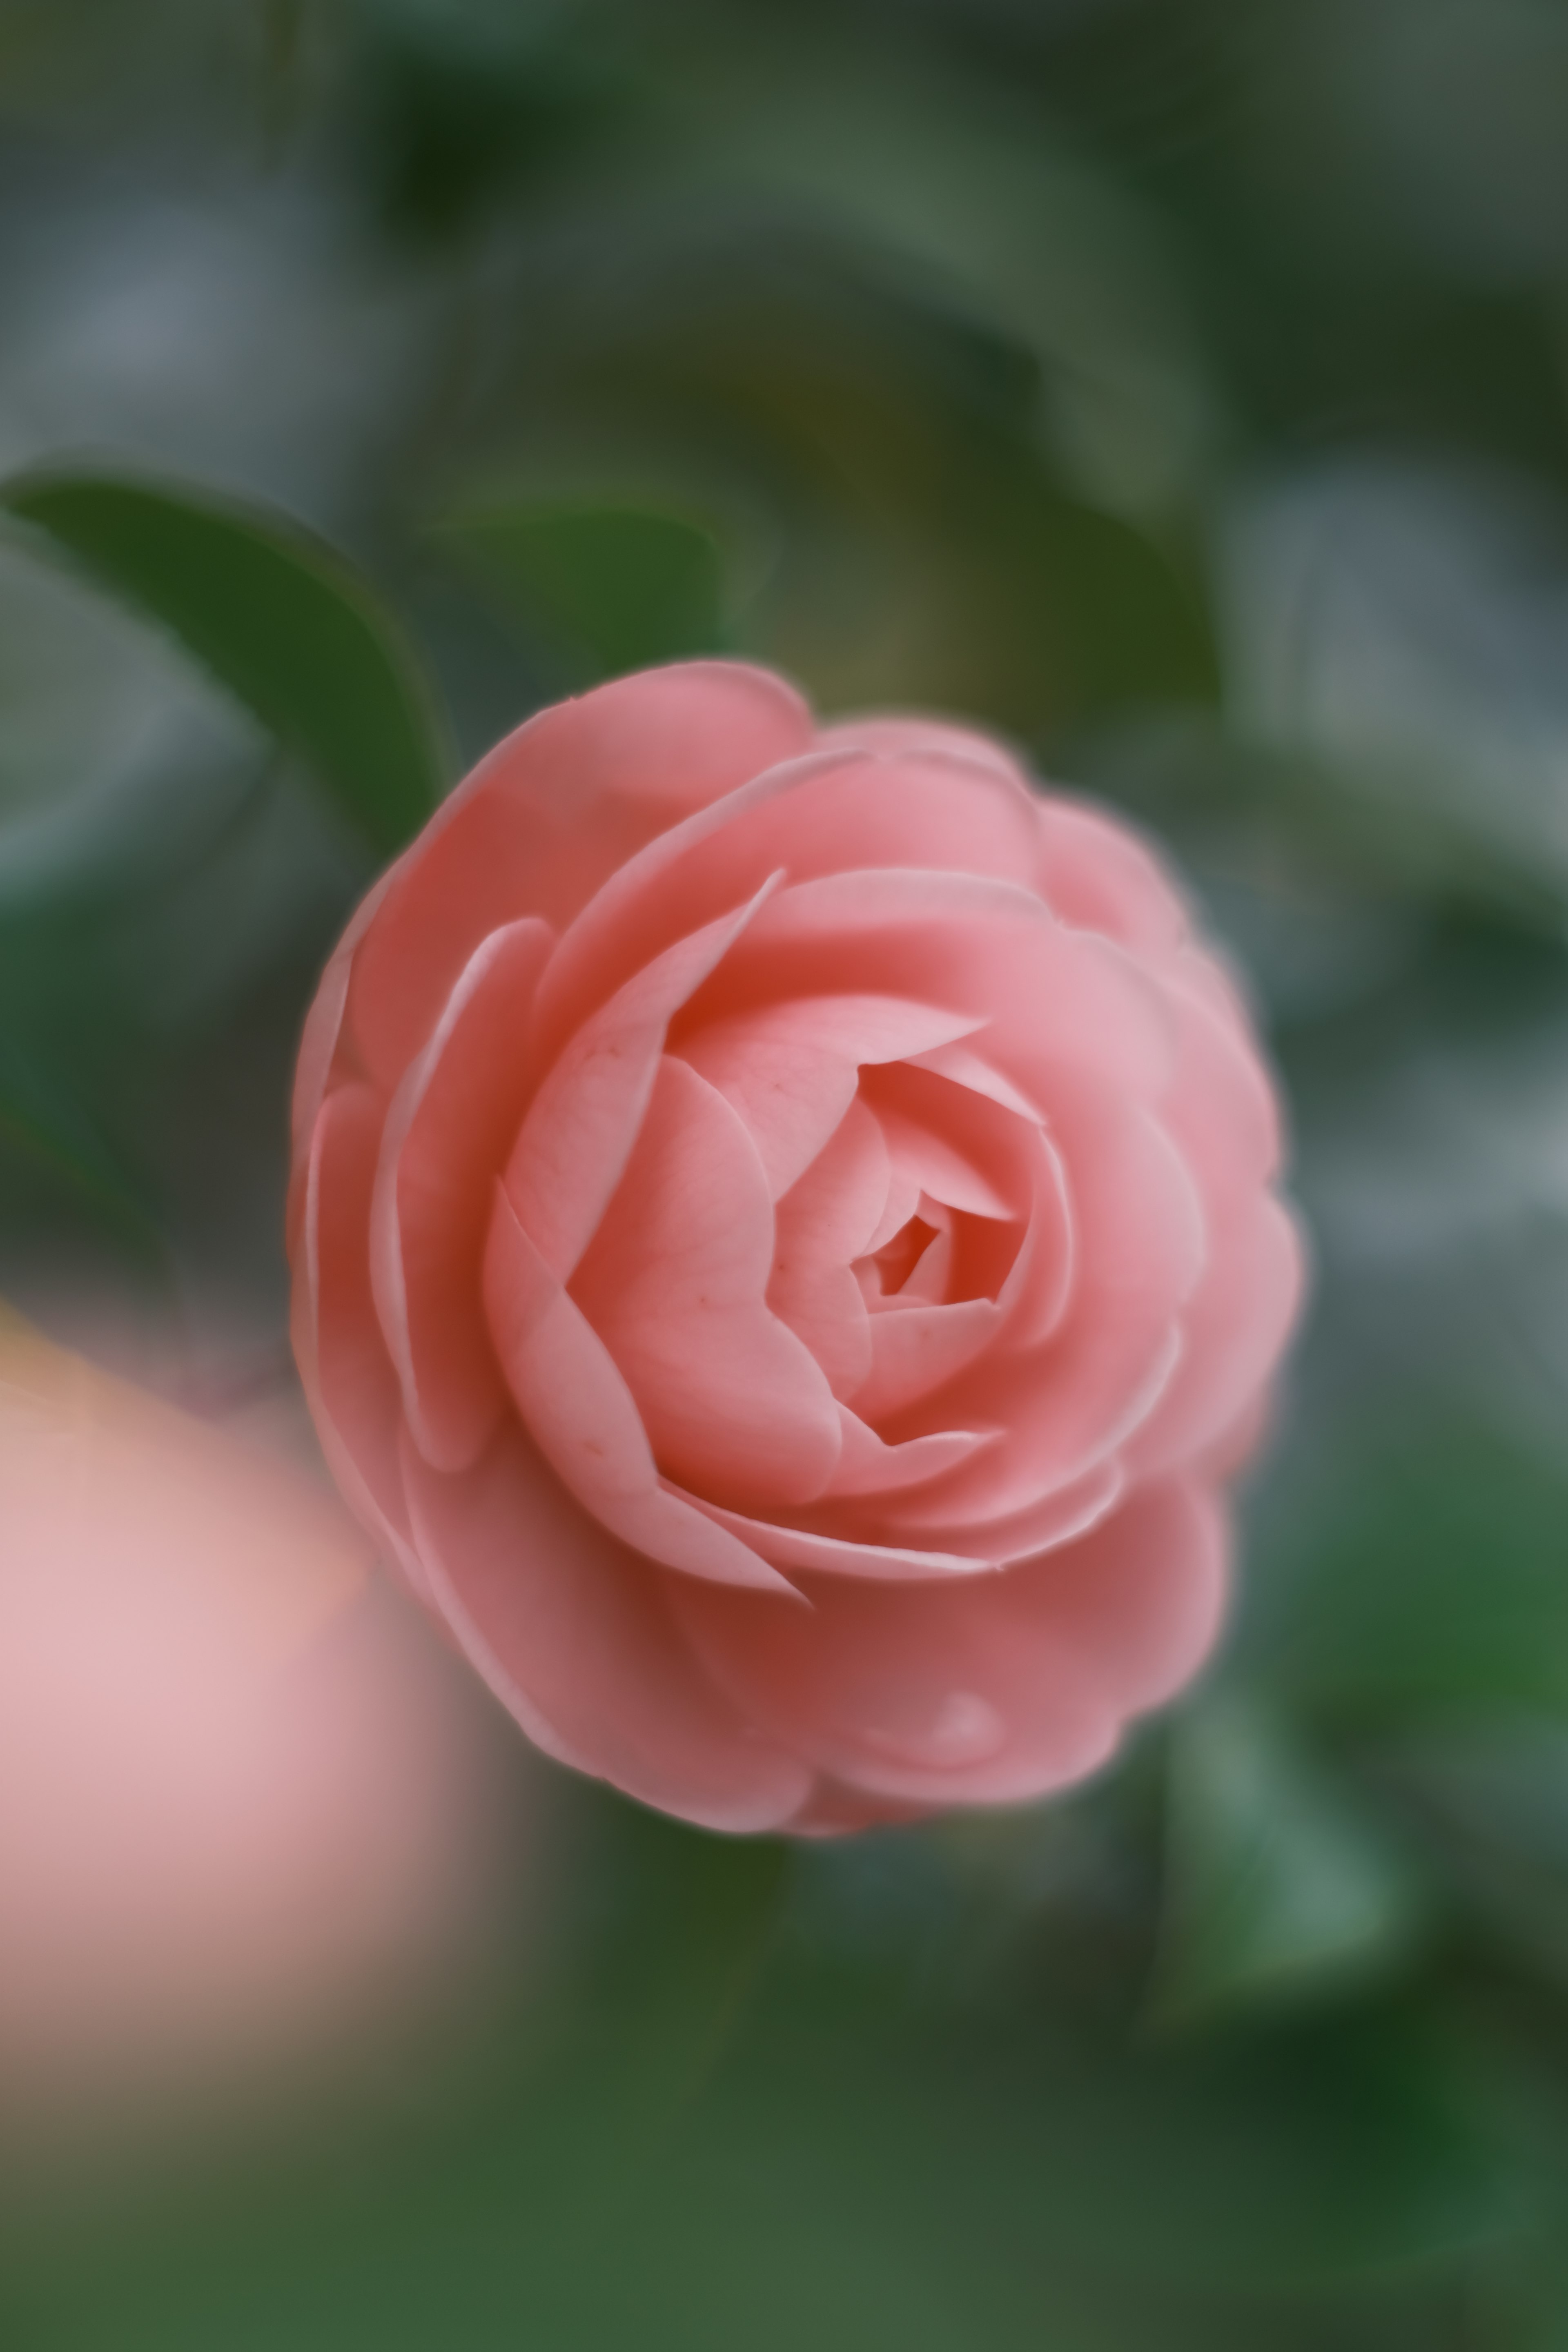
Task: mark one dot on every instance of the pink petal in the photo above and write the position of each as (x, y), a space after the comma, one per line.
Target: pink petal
(448, 1132)
(1098, 875)
(1222, 1116)
(895, 734)
(822, 1222)
(792, 1069)
(822, 814)
(538, 826)
(1016, 1167)
(674, 1282)
(585, 1420)
(825, 1554)
(1052, 999)
(1065, 1406)
(318, 1051)
(1233, 1331)
(1055, 1519)
(580, 1129)
(867, 1467)
(987, 1689)
(573, 1634)
(343, 1363)
(923, 1155)
(966, 1068)
(921, 1349)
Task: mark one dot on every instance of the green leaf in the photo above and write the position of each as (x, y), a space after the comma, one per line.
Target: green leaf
(278, 617)
(42, 1118)
(1278, 1888)
(619, 587)
(1424, 1577)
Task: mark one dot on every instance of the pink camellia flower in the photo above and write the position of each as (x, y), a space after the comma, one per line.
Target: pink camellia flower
(784, 1254)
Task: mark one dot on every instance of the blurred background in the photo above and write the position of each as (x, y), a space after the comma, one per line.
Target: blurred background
(1180, 387)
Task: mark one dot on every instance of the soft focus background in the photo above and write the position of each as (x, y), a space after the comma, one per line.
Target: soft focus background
(1180, 386)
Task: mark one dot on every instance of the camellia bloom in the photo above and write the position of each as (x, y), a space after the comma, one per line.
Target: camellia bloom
(784, 1254)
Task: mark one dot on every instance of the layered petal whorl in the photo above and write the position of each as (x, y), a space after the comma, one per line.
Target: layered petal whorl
(784, 1244)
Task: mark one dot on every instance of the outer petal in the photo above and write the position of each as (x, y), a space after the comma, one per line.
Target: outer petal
(894, 734)
(1222, 1116)
(830, 813)
(985, 1690)
(1051, 998)
(538, 825)
(573, 1635)
(675, 1283)
(318, 1051)
(1233, 1333)
(448, 1132)
(348, 1375)
(1098, 875)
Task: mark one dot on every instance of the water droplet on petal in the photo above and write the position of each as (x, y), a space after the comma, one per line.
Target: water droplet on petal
(961, 1728)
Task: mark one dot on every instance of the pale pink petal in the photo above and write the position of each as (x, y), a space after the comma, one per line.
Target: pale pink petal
(823, 814)
(967, 1068)
(579, 1410)
(826, 1554)
(1058, 1517)
(317, 1050)
(1067, 1405)
(1220, 1106)
(901, 1199)
(920, 1351)
(1221, 1114)
(823, 1222)
(1098, 875)
(867, 1467)
(1016, 1164)
(792, 1069)
(921, 1152)
(448, 1132)
(347, 1373)
(1233, 1331)
(983, 1690)
(675, 1281)
(898, 733)
(639, 911)
(582, 1123)
(1051, 998)
(541, 822)
(573, 1634)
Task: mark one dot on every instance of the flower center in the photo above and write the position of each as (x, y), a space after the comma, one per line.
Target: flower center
(896, 1261)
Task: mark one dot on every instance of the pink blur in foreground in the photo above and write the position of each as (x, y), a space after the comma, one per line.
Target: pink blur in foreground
(785, 1252)
(233, 1807)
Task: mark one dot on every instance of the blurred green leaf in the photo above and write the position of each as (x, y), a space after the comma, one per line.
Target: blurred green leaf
(278, 617)
(1428, 1577)
(619, 587)
(1492, 1799)
(41, 1115)
(1278, 1888)
(1381, 2143)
